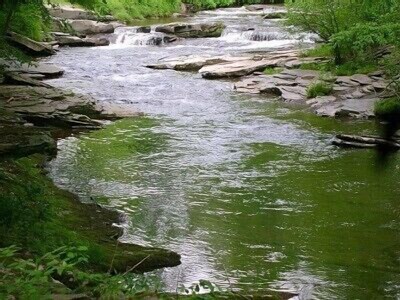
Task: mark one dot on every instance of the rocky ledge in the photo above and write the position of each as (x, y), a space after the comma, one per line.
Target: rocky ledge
(29, 105)
(351, 96)
(229, 66)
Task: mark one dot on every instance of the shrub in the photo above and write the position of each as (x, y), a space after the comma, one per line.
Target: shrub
(319, 89)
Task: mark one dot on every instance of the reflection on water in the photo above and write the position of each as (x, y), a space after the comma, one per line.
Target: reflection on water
(249, 191)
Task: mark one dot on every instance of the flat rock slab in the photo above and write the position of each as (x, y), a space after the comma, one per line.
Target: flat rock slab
(46, 70)
(29, 46)
(235, 69)
(54, 107)
(188, 30)
(352, 96)
(194, 62)
(74, 41)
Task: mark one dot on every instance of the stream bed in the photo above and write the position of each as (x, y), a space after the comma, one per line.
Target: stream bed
(247, 189)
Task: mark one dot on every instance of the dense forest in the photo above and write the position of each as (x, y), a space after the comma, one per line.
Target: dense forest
(38, 250)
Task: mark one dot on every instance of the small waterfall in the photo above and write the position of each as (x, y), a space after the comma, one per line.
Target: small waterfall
(232, 35)
(134, 36)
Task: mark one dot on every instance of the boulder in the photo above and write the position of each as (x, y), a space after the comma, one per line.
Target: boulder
(275, 15)
(361, 79)
(186, 30)
(87, 27)
(29, 46)
(143, 29)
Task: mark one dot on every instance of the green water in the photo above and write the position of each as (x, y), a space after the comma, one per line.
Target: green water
(248, 190)
(324, 223)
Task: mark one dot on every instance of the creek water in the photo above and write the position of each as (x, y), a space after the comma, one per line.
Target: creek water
(248, 190)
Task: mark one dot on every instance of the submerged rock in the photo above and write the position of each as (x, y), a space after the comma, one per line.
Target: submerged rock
(185, 30)
(143, 29)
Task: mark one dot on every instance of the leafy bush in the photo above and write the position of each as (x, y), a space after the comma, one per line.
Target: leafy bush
(319, 89)
(33, 278)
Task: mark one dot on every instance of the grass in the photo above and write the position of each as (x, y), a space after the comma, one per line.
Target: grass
(346, 69)
(319, 88)
(387, 107)
(323, 50)
(272, 71)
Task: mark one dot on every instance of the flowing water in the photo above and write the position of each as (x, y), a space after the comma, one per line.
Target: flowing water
(248, 190)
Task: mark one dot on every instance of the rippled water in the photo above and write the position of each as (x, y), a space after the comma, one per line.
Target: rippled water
(248, 190)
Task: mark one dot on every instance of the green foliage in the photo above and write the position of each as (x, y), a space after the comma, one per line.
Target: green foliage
(353, 29)
(319, 89)
(23, 207)
(387, 108)
(323, 50)
(33, 278)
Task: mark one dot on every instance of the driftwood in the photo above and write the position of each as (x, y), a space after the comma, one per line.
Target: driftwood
(355, 141)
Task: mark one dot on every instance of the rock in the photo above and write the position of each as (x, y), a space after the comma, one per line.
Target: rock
(354, 141)
(235, 69)
(74, 41)
(143, 29)
(356, 108)
(180, 16)
(192, 62)
(69, 40)
(96, 42)
(303, 74)
(255, 7)
(65, 12)
(29, 46)
(22, 79)
(36, 69)
(19, 140)
(275, 15)
(361, 79)
(59, 25)
(88, 27)
(186, 30)
(346, 81)
(379, 86)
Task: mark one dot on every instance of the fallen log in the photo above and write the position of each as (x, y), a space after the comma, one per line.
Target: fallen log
(355, 141)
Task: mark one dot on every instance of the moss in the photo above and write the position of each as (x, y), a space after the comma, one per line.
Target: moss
(319, 89)
(44, 217)
(272, 71)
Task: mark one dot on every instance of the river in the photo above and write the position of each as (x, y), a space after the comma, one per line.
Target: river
(248, 190)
